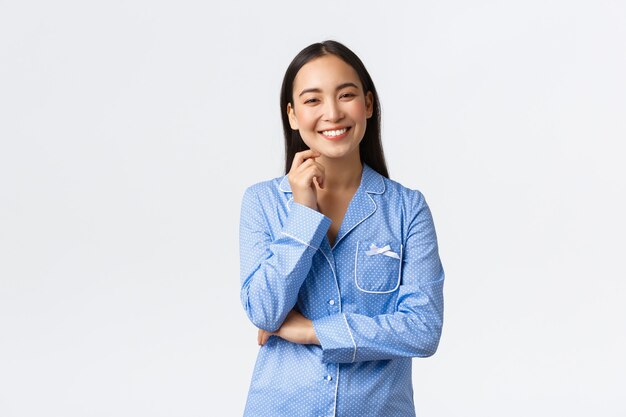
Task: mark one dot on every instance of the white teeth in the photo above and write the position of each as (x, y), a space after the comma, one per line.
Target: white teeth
(335, 132)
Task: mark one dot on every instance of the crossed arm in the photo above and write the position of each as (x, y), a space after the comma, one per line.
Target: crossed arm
(296, 328)
(273, 271)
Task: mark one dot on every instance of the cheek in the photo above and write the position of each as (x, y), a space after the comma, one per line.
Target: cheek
(306, 118)
(358, 109)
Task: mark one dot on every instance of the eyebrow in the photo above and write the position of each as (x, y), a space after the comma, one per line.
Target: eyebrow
(317, 90)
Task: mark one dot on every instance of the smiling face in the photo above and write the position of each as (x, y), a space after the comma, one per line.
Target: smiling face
(329, 107)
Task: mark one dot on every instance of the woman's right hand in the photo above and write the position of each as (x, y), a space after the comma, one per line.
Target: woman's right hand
(303, 175)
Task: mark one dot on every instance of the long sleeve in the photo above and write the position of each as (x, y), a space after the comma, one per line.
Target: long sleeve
(414, 328)
(273, 270)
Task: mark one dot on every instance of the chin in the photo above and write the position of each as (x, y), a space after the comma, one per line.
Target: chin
(332, 150)
(335, 153)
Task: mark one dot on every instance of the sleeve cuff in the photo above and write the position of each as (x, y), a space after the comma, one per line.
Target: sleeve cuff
(336, 338)
(306, 225)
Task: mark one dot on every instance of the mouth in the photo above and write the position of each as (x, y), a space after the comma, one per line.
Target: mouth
(335, 134)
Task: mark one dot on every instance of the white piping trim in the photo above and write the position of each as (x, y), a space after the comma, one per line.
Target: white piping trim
(338, 292)
(380, 177)
(356, 281)
(336, 389)
(280, 186)
(368, 192)
(351, 337)
(384, 187)
(298, 240)
(400, 271)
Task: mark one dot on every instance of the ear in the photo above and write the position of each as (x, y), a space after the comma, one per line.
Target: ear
(293, 121)
(369, 104)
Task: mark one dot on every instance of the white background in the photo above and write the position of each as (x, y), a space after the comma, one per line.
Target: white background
(129, 130)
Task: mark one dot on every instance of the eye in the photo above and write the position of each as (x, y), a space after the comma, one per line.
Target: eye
(347, 95)
(310, 101)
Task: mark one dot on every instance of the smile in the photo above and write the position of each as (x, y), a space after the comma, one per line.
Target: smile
(335, 134)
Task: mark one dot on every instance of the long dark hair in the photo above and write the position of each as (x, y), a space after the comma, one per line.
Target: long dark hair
(370, 148)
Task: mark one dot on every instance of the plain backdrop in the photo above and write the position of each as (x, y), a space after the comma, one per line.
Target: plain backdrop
(129, 130)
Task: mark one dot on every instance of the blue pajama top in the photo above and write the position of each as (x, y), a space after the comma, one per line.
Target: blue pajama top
(375, 298)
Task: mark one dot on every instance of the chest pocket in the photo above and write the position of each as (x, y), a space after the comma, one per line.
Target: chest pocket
(377, 266)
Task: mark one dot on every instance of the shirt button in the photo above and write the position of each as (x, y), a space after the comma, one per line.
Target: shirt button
(329, 378)
(331, 302)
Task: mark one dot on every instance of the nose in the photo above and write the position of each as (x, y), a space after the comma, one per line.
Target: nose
(332, 111)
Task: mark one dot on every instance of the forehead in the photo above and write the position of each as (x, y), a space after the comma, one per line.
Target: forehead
(325, 72)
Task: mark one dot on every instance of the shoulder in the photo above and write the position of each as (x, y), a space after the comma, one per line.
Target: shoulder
(411, 198)
(263, 189)
(267, 196)
(416, 214)
(409, 203)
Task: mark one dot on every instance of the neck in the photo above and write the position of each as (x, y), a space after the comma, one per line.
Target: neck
(341, 174)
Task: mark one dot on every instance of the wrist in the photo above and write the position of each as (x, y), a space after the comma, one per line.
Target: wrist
(313, 340)
(310, 204)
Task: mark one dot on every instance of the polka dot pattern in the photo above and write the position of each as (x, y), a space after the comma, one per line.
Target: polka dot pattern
(375, 299)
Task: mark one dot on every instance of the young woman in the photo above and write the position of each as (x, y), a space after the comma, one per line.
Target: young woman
(340, 268)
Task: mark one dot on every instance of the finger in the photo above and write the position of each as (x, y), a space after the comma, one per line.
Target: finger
(266, 336)
(299, 157)
(311, 162)
(317, 183)
(304, 165)
(304, 174)
(317, 171)
(321, 178)
(259, 337)
(304, 161)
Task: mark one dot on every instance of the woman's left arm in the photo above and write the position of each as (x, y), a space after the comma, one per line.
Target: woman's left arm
(414, 328)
